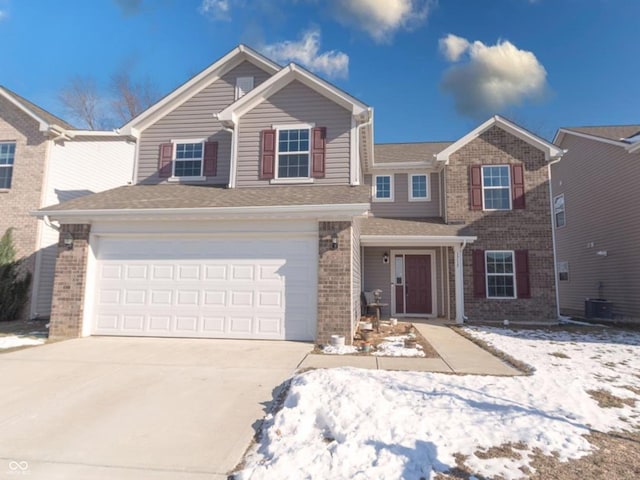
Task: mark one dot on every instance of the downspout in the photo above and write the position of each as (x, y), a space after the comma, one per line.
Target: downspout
(230, 127)
(553, 236)
(464, 244)
(362, 125)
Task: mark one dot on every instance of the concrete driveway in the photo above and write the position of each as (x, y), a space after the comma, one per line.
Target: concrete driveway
(133, 408)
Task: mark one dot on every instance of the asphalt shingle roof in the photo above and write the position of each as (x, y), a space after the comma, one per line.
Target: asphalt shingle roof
(610, 132)
(141, 197)
(38, 111)
(412, 226)
(408, 152)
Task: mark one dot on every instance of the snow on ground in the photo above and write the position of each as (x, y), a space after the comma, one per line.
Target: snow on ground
(348, 423)
(394, 347)
(11, 341)
(339, 350)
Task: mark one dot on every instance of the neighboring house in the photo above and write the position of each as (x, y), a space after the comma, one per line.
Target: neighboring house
(597, 224)
(260, 210)
(44, 161)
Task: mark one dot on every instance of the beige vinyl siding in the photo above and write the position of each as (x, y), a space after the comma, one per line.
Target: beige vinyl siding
(599, 183)
(194, 119)
(356, 266)
(295, 103)
(401, 206)
(378, 275)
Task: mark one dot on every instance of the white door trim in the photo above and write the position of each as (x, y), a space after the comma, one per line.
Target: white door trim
(392, 263)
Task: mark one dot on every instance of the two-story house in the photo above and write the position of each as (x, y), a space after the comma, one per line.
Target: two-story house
(261, 210)
(596, 220)
(45, 161)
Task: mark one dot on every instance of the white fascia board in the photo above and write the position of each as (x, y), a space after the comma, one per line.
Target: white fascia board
(94, 133)
(278, 211)
(280, 80)
(592, 137)
(195, 85)
(403, 166)
(550, 150)
(414, 240)
(43, 125)
(634, 147)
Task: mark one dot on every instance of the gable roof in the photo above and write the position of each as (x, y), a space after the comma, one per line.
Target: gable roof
(396, 154)
(626, 136)
(283, 78)
(45, 119)
(196, 84)
(550, 150)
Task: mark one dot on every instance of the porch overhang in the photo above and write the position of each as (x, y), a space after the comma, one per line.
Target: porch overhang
(415, 240)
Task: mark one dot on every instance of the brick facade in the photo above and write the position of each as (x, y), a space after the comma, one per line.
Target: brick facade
(529, 229)
(334, 282)
(67, 308)
(26, 186)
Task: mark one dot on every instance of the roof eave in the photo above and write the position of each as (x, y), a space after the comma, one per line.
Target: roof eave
(415, 240)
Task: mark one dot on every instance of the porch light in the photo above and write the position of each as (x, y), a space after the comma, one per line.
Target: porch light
(334, 241)
(385, 258)
(67, 240)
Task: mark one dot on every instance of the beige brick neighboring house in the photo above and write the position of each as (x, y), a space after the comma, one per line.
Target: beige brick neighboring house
(597, 221)
(265, 212)
(44, 160)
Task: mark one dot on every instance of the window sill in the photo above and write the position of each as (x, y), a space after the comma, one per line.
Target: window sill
(387, 200)
(286, 181)
(425, 199)
(186, 179)
(5, 190)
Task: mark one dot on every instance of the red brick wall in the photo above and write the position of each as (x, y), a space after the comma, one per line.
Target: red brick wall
(528, 229)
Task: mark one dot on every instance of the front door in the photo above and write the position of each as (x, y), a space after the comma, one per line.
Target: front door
(417, 287)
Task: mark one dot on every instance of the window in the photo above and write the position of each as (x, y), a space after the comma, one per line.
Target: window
(293, 153)
(496, 187)
(383, 188)
(399, 269)
(188, 159)
(500, 274)
(558, 211)
(563, 271)
(243, 86)
(7, 154)
(418, 187)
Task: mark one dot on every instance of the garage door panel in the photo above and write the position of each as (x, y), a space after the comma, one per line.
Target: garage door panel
(248, 288)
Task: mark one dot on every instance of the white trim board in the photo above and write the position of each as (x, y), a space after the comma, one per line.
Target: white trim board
(434, 299)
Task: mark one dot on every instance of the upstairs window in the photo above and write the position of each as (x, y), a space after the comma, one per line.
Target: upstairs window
(7, 155)
(558, 211)
(188, 159)
(243, 86)
(563, 271)
(293, 153)
(500, 274)
(383, 188)
(418, 187)
(496, 187)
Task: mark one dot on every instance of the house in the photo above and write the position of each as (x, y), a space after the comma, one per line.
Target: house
(261, 209)
(597, 225)
(44, 161)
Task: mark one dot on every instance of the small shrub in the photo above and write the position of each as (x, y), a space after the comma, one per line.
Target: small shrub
(14, 281)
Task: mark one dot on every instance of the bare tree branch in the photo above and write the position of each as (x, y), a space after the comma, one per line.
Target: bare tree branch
(131, 98)
(81, 100)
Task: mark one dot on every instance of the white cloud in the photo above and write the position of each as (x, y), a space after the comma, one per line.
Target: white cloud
(216, 9)
(452, 47)
(306, 52)
(381, 18)
(3, 14)
(492, 78)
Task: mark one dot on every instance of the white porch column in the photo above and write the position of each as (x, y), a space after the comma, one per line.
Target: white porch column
(459, 281)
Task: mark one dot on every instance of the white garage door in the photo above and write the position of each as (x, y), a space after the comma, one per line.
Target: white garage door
(207, 287)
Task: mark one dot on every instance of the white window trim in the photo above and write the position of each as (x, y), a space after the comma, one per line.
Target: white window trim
(486, 275)
(428, 187)
(391, 189)
(555, 212)
(7, 189)
(292, 126)
(195, 178)
(237, 87)
(508, 167)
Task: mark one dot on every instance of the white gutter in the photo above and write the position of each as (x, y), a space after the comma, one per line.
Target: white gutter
(414, 240)
(553, 236)
(362, 125)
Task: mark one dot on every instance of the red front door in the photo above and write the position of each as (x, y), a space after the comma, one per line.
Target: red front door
(417, 270)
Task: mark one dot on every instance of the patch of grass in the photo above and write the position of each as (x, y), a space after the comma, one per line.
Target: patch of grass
(506, 450)
(508, 359)
(606, 399)
(559, 355)
(635, 390)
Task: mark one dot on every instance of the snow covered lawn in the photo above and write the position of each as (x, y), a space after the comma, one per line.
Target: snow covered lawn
(12, 341)
(349, 423)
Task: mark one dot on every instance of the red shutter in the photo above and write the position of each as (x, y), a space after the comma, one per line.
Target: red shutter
(319, 137)
(268, 155)
(517, 185)
(210, 159)
(165, 160)
(522, 274)
(475, 187)
(479, 275)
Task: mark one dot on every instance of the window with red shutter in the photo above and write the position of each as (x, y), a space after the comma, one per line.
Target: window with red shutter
(479, 285)
(517, 186)
(165, 160)
(475, 187)
(210, 159)
(522, 274)
(268, 154)
(319, 136)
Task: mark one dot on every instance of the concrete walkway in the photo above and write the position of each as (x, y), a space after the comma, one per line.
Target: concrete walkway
(457, 355)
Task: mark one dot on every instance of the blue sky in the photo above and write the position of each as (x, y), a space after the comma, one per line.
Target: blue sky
(431, 69)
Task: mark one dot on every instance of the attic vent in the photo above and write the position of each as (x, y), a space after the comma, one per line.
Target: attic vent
(243, 86)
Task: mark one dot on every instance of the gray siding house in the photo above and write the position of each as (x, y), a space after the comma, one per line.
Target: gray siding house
(596, 220)
(261, 209)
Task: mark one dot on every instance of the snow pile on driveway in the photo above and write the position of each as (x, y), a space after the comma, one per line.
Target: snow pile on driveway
(348, 423)
(12, 341)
